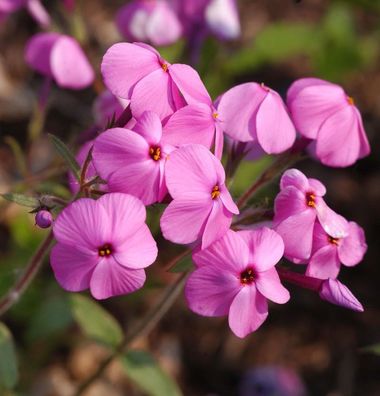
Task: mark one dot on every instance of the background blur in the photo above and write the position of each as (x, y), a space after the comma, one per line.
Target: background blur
(324, 345)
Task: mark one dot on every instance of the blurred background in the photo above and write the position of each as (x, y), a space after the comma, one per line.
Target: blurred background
(306, 347)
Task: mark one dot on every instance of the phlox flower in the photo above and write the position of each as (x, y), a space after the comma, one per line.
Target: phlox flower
(254, 112)
(202, 207)
(137, 72)
(322, 111)
(102, 245)
(59, 57)
(133, 161)
(34, 7)
(235, 276)
(149, 21)
(296, 209)
(328, 253)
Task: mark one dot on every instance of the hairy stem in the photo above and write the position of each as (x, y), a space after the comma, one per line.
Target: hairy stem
(143, 327)
(27, 276)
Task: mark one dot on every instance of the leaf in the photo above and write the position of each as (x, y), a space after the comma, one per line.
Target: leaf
(66, 154)
(52, 316)
(144, 371)
(22, 200)
(8, 359)
(95, 321)
(183, 265)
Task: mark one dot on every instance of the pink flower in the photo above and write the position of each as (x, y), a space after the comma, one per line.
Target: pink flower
(149, 21)
(34, 7)
(297, 207)
(138, 72)
(103, 245)
(261, 116)
(235, 276)
(202, 207)
(328, 252)
(322, 111)
(133, 161)
(59, 57)
(198, 122)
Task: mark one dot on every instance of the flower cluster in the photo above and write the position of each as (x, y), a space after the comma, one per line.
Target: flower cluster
(162, 153)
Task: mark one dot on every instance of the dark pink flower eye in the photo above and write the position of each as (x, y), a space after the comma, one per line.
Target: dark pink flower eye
(155, 153)
(105, 250)
(333, 241)
(310, 199)
(247, 277)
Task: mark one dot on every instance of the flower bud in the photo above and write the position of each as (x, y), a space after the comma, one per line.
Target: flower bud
(43, 218)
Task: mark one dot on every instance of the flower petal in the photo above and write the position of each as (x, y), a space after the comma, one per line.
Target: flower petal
(274, 128)
(248, 311)
(352, 248)
(112, 279)
(334, 224)
(72, 267)
(324, 263)
(210, 290)
(227, 200)
(149, 127)
(269, 285)
(125, 64)
(295, 178)
(289, 202)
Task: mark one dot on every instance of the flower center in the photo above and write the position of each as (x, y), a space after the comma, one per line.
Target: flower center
(215, 192)
(247, 277)
(155, 153)
(333, 241)
(350, 100)
(105, 250)
(310, 199)
(165, 67)
(215, 115)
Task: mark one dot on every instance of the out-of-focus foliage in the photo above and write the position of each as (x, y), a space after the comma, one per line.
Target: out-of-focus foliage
(8, 360)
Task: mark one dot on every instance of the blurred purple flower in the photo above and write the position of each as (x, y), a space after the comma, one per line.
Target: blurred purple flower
(35, 8)
(106, 107)
(59, 57)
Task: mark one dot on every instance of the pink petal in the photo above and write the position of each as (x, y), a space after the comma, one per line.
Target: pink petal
(238, 117)
(320, 238)
(364, 145)
(190, 124)
(297, 234)
(132, 20)
(126, 215)
(223, 19)
(149, 126)
(324, 263)
(294, 177)
(210, 290)
(38, 12)
(193, 168)
(153, 93)
(116, 148)
(227, 200)
(317, 187)
(217, 224)
(163, 27)
(334, 224)
(72, 267)
(69, 64)
(336, 293)
(352, 249)
(184, 219)
(141, 179)
(139, 250)
(83, 224)
(275, 130)
(339, 138)
(302, 83)
(189, 84)
(38, 50)
(112, 279)
(266, 247)
(229, 252)
(125, 64)
(269, 285)
(289, 202)
(313, 105)
(248, 311)
(219, 141)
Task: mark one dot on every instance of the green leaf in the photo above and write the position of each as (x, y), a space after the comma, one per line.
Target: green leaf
(22, 200)
(66, 154)
(52, 316)
(95, 321)
(183, 265)
(8, 359)
(144, 371)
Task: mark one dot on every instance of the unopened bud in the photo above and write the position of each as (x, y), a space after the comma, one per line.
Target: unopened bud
(43, 218)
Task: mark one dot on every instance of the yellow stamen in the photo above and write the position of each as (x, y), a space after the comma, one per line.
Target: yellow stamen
(165, 67)
(215, 192)
(215, 115)
(105, 250)
(350, 100)
(247, 277)
(310, 200)
(155, 153)
(334, 241)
